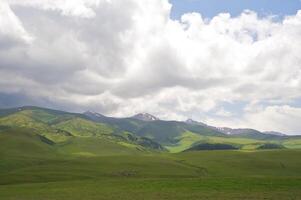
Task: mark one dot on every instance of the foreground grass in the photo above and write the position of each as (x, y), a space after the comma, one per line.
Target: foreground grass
(274, 174)
(142, 188)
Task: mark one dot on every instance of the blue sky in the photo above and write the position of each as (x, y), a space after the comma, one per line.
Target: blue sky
(211, 8)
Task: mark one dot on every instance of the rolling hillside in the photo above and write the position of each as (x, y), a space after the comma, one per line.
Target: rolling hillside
(178, 136)
(142, 132)
(74, 132)
(163, 132)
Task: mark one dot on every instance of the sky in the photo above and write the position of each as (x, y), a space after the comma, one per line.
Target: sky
(212, 8)
(220, 62)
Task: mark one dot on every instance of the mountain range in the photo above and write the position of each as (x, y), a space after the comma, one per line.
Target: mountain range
(92, 133)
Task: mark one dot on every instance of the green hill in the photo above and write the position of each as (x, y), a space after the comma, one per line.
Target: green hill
(158, 135)
(84, 128)
(20, 142)
(66, 128)
(163, 132)
(27, 119)
(179, 136)
(254, 134)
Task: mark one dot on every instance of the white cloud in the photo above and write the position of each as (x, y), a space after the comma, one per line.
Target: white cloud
(12, 31)
(223, 113)
(124, 56)
(79, 8)
(282, 118)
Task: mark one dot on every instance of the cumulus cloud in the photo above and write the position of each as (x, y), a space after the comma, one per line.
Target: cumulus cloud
(78, 8)
(283, 118)
(119, 57)
(12, 32)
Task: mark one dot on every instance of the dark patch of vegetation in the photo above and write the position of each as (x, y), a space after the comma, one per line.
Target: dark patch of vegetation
(126, 173)
(207, 146)
(45, 140)
(3, 128)
(63, 132)
(145, 142)
(271, 146)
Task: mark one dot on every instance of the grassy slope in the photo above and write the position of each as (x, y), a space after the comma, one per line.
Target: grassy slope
(271, 163)
(89, 146)
(83, 145)
(187, 139)
(69, 129)
(82, 127)
(98, 135)
(292, 143)
(22, 143)
(27, 119)
(168, 132)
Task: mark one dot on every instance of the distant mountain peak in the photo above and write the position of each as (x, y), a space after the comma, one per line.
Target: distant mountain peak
(92, 113)
(237, 131)
(191, 121)
(145, 117)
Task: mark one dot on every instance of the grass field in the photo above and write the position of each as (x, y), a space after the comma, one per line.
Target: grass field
(207, 188)
(272, 174)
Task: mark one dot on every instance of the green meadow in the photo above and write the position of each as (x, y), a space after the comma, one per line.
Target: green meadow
(268, 174)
